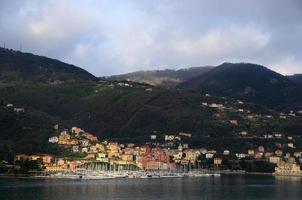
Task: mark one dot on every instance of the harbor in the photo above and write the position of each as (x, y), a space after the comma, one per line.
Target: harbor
(104, 175)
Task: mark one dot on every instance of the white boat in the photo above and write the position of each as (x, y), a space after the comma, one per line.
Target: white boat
(172, 176)
(150, 176)
(192, 174)
(86, 176)
(96, 177)
(217, 175)
(66, 176)
(161, 175)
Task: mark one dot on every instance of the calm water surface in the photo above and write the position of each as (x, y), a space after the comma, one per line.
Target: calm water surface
(224, 187)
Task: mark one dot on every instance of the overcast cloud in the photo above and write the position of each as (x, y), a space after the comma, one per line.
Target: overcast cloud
(111, 37)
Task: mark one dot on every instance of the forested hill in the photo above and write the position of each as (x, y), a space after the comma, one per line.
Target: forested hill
(37, 92)
(17, 66)
(297, 78)
(168, 78)
(249, 82)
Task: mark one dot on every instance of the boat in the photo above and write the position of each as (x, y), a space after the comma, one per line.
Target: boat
(67, 176)
(217, 175)
(84, 176)
(150, 176)
(197, 174)
(96, 177)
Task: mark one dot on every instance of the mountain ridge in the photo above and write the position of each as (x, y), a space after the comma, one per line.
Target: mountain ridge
(16, 65)
(121, 111)
(297, 78)
(167, 78)
(250, 82)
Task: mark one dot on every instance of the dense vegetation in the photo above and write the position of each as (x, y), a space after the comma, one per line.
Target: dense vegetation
(118, 110)
(249, 82)
(168, 78)
(297, 78)
(17, 66)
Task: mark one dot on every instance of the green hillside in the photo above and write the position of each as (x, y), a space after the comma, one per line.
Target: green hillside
(168, 78)
(18, 66)
(249, 82)
(25, 132)
(297, 78)
(121, 110)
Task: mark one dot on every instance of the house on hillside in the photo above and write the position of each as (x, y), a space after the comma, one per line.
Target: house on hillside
(9, 105)
(153, 137)
(274, 159)
(54, 139)
(19, 110)
(234, 122)
(217, 161)
(226, 152)
(184, 134)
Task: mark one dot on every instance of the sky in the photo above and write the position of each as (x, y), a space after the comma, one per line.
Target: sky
(108, 37)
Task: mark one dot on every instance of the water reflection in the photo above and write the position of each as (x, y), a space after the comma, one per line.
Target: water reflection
(224, 187)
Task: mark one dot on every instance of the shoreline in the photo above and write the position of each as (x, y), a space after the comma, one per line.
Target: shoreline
(212, 173)
(27, 176)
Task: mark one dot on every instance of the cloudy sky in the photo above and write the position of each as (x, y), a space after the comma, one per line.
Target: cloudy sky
(111, 37)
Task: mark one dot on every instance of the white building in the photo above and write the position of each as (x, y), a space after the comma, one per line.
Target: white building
(274, 159)
(209, 155)
(226, 152)
(54, 139)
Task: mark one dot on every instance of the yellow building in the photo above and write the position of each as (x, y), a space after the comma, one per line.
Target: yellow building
(287, 168)
(217, 161)
(191, 155)
(127, 157)
(113, 147)
(64, 138)
(55, 168)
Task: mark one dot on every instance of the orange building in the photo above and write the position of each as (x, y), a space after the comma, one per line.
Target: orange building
(22, 157)
(217, 161)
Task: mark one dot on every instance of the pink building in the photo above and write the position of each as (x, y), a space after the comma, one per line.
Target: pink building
(155, 159)
(93, 148)
(73, 165)
(60, 162)
(90, 156)
(47, 159)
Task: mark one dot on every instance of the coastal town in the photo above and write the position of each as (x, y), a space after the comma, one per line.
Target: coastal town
(171, 155)
(151, 100)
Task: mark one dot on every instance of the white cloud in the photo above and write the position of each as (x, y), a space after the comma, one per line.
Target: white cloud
(59, 21)
(287, 65)
(81, 51)
(110, 37)
(132, 45)
(219, 43)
